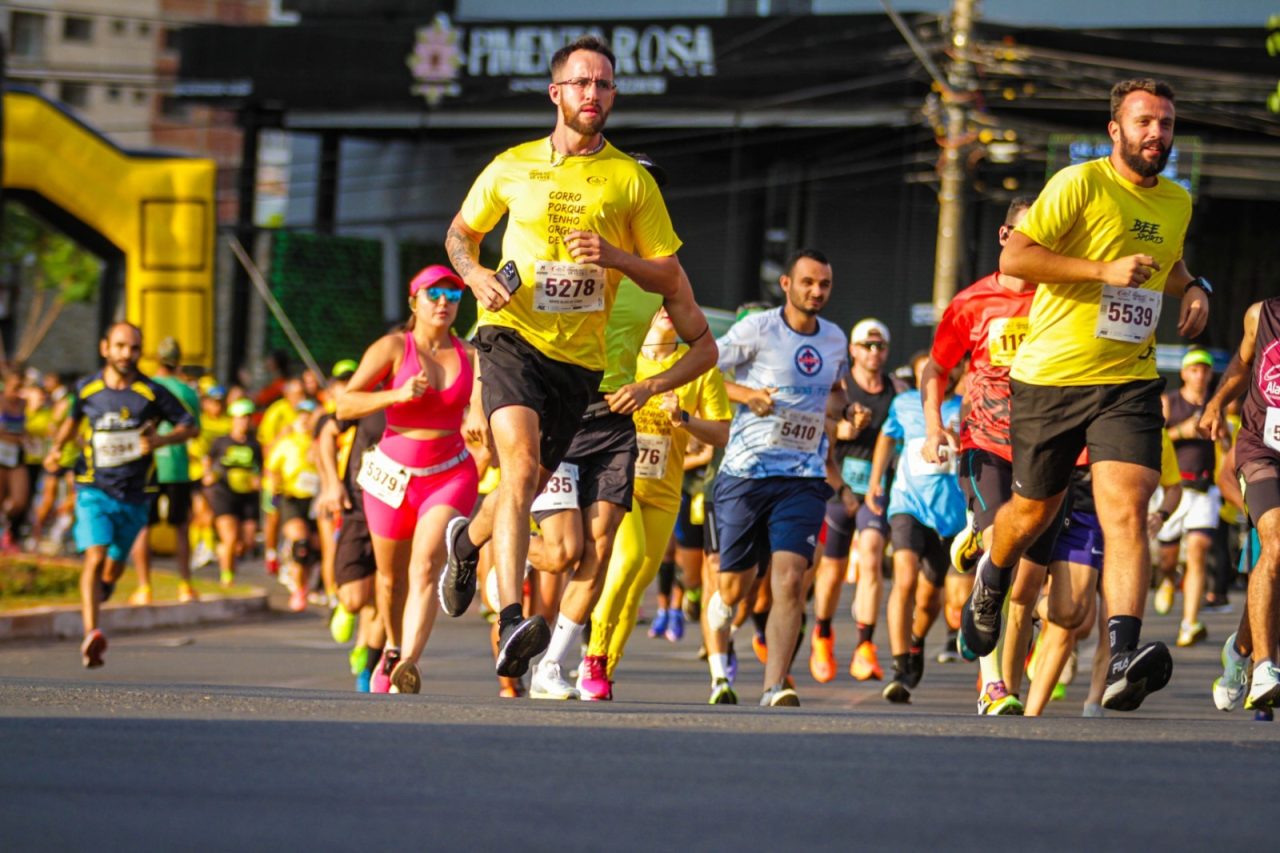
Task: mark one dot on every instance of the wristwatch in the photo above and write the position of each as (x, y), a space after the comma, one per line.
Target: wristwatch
(1202, 283)
(684, 417)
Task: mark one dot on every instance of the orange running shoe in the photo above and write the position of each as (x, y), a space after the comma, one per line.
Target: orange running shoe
(759, 647)
(865, 665)
(822, 657)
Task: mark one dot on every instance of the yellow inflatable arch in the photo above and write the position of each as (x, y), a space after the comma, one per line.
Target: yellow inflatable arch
(157, 210)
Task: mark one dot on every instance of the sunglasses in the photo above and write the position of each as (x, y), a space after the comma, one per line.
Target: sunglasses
(874, 346)
(451, 294)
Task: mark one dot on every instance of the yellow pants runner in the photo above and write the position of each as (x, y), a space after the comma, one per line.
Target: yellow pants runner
(637, 552)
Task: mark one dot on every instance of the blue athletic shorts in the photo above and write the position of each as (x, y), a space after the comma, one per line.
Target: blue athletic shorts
(104, 520)
(757, 518)
(1079, 541)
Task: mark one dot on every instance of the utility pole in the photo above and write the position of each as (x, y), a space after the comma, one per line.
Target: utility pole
(956, 97)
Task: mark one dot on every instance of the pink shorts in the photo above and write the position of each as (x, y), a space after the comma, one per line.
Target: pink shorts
(457, 486)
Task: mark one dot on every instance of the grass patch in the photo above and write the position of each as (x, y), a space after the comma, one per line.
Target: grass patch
(27, 581)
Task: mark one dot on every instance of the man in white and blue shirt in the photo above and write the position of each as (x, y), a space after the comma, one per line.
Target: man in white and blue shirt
(772, 488)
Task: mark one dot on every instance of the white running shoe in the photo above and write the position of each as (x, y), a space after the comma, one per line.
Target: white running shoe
(780, 696)
(548, 683)
(1265, 692)
(1229, 690)
(719, 614)
(1093, 709)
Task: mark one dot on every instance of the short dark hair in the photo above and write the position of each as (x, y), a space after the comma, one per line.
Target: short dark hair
(595, 44)
(811, 254)
(1121, 90)
(117, 324)
(1016, 206)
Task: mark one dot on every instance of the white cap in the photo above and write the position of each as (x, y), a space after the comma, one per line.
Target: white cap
(867, 327)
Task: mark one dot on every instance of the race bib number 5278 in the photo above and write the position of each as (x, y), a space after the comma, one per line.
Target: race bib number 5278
(561, 287)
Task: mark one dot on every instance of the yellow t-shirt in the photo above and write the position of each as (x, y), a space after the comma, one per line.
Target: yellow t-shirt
(274, 420)
(290, 460)
(544, 198)
(211, 427)
(662, 447)
(1090, 211)
(1170, 475)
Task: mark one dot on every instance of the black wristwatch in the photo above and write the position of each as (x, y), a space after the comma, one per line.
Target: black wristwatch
(684, 417)
(1202, 283)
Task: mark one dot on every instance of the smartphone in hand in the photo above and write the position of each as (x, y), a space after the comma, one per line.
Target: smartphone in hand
(509, 277)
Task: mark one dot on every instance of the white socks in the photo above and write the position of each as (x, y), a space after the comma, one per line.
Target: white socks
(719, 666)
(566, 636)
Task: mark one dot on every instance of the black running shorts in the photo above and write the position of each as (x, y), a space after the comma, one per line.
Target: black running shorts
(514, 373)
(353, 560)
(1051, 425)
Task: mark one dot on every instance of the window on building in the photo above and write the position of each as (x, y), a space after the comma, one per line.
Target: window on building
(27, 32)
(144, 29)
(74, 94)
(170, 38)
(118, 27)
(139, 96)
(113, 94)
(173, 108)
(76, 28)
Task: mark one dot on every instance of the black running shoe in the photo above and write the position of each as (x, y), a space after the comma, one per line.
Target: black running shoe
(896, 691)
(458, 581)
(518, 643)
(980, 619)
(1134, 674)
(915, 668)
(106, 589)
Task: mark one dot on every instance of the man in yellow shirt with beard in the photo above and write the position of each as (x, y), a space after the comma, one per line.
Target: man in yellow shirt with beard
(581, 215)
(1105, 241)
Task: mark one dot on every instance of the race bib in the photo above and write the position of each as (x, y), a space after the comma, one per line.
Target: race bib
(1271, 429)
(651, 463)
(1127, 314)
(856, 474)
(561, 491)
(114, 448)
(308, 483)
(561, 287)
(797, 430)
(10, 454)
(921, 468)
(1004, 336)
(383, 477)
(240, 480)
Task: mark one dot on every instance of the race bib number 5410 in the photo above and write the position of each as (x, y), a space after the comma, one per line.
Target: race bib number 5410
(1127, 314)
(797, 430)
(566, 288)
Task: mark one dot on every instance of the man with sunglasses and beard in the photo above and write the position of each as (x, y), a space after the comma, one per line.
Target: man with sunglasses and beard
(581, 215)
(1105, 241)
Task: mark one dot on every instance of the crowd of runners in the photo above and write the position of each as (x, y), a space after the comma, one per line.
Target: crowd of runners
(593, 436)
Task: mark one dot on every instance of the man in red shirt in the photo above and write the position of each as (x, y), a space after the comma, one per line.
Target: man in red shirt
(987, 321)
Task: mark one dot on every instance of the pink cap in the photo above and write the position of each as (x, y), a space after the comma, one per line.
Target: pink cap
(432, 275)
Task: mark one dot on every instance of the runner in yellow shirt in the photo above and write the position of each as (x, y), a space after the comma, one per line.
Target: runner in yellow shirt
(663, 427)
(291, 471)
(580, 216)
(1104, 239)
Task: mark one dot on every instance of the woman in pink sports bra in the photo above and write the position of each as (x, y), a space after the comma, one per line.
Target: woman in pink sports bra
(420, 475)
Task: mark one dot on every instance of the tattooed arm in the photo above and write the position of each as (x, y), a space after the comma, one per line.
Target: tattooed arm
(463, 245)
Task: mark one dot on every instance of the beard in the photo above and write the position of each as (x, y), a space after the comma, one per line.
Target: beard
(585, 125)
(1131, 153)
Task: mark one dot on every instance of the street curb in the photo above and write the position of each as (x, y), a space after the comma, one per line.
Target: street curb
(64, 621)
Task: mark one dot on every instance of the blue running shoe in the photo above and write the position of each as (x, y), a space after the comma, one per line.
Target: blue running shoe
(675, 626)
(659, 625)
(362, 680)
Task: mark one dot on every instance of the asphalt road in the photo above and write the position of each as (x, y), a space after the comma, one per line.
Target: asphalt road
(248, 736)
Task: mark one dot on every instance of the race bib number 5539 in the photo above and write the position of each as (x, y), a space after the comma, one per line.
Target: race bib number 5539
(1127, 314)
